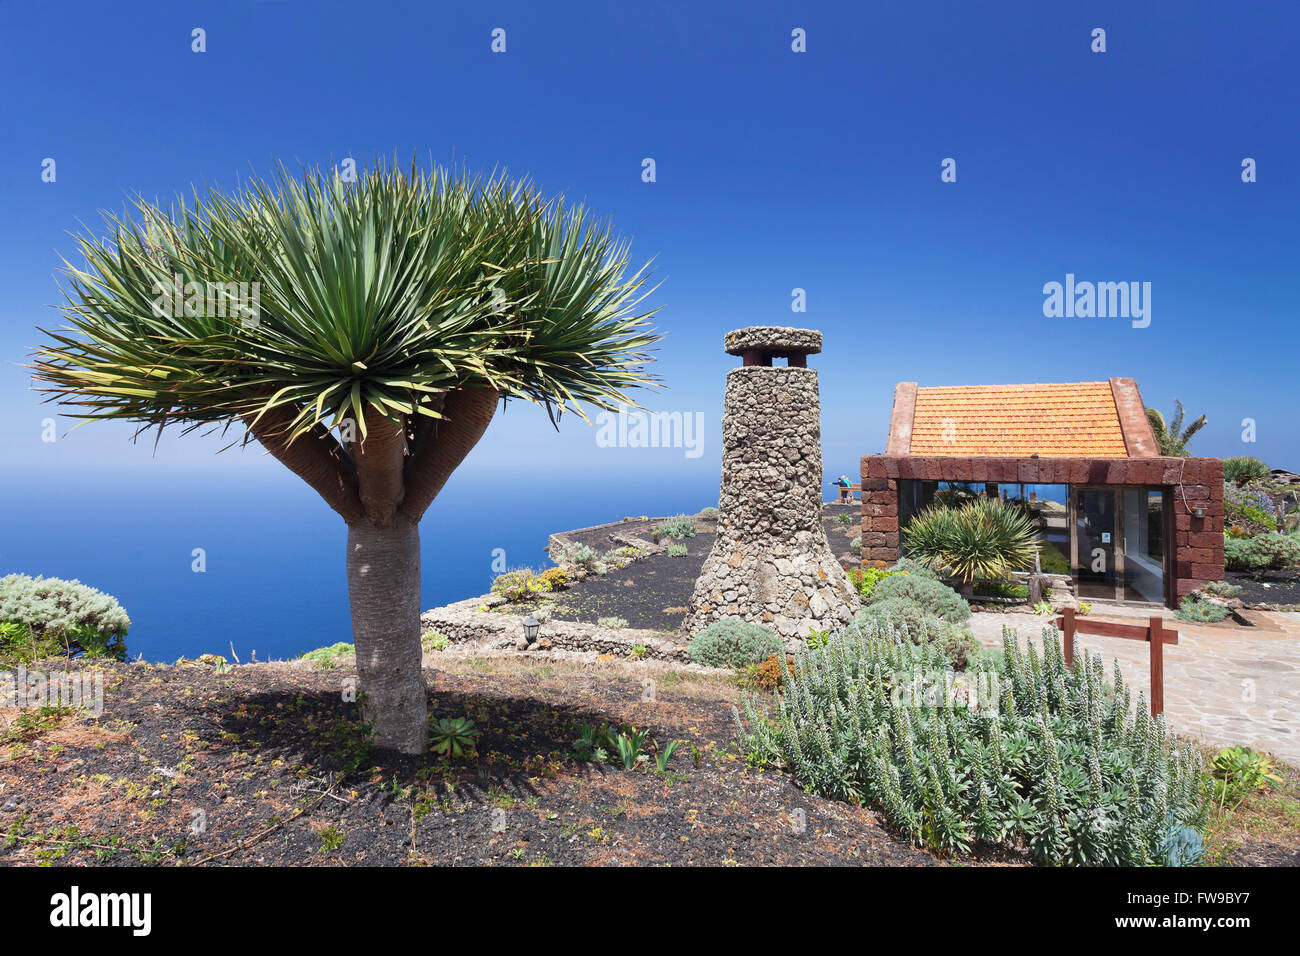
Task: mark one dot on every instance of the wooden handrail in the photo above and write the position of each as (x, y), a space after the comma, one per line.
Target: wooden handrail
(1154, 633)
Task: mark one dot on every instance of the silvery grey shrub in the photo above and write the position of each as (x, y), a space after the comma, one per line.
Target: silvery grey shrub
(1060, 765)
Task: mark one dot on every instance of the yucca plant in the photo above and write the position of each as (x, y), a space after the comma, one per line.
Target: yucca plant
(985, 538)
(1243, 470)
(364, 333)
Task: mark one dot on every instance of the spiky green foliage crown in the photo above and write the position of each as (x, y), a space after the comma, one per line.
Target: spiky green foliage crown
(378, 294)
(1171, 437)
(984, 538)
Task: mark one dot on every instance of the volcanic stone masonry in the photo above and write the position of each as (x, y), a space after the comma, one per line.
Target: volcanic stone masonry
(771, 563)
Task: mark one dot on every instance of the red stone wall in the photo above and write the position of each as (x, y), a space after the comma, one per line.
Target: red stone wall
(1198, 542)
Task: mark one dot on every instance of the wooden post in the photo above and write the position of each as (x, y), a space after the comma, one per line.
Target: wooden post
(1068, 630)
(1157, 638)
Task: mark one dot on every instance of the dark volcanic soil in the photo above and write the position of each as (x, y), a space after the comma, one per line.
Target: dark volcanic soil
(266, 765)
(1274, 587)
(653, 592)
(840, 534)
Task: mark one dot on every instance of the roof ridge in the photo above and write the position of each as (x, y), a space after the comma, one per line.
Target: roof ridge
(926, 388)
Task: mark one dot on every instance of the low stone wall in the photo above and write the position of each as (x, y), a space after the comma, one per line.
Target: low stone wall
(562, 539)
(464, 623)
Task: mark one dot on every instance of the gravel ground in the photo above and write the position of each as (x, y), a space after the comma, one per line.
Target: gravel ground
(266, 765)
(1277, 588)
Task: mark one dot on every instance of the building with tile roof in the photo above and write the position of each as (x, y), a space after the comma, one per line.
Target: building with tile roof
(1119, 520)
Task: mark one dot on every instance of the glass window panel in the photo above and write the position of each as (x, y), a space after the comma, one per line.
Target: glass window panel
(1144, 547)
(1049, 507)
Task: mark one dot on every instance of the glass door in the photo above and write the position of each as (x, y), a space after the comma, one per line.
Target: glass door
(1144, 545)
(1094, 551)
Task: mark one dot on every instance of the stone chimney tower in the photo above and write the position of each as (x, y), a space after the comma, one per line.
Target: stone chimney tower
(771, 563)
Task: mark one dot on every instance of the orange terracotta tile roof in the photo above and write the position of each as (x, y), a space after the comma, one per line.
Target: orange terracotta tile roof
(1076, 420)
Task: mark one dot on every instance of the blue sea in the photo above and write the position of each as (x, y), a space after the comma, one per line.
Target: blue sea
(274, 580)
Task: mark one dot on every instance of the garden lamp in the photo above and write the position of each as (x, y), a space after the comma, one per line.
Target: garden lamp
(531, 624)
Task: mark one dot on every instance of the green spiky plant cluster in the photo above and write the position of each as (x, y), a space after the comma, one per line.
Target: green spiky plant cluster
(1060, 764)
(1243, 469)
(678, 526)
(984, 538)
(910, 622)
(628, 746)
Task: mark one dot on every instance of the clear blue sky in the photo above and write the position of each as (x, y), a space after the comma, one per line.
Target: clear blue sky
(775, 170)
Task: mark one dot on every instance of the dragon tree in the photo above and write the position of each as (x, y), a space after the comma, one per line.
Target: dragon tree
(364, 333)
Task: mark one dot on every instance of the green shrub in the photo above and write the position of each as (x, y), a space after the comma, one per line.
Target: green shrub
(679, 526)
(1221, 589)
(616, 558)
(732, 642)
(907, 620)
(1051, 561)
(915, 568)
(1263, 552)
(1242, 469)
(329, 656)
(866, 579)
(1240, 772)
(519, 585)
(1248, 511)
(614, 623)
(555, 578)
(434, 641)
(575, 556)
(1234, 554)
(1191, 609)
(709, 514)
(452, 737)
(855, 543)
(1006, 590)
(675, 550)
(933, 596)
(982, 538)
(1051, 759)
(50, 617)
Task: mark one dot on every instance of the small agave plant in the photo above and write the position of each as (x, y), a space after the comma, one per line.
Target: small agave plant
(453, 737)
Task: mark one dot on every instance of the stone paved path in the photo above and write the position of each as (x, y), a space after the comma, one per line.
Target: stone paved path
(1224, 684)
